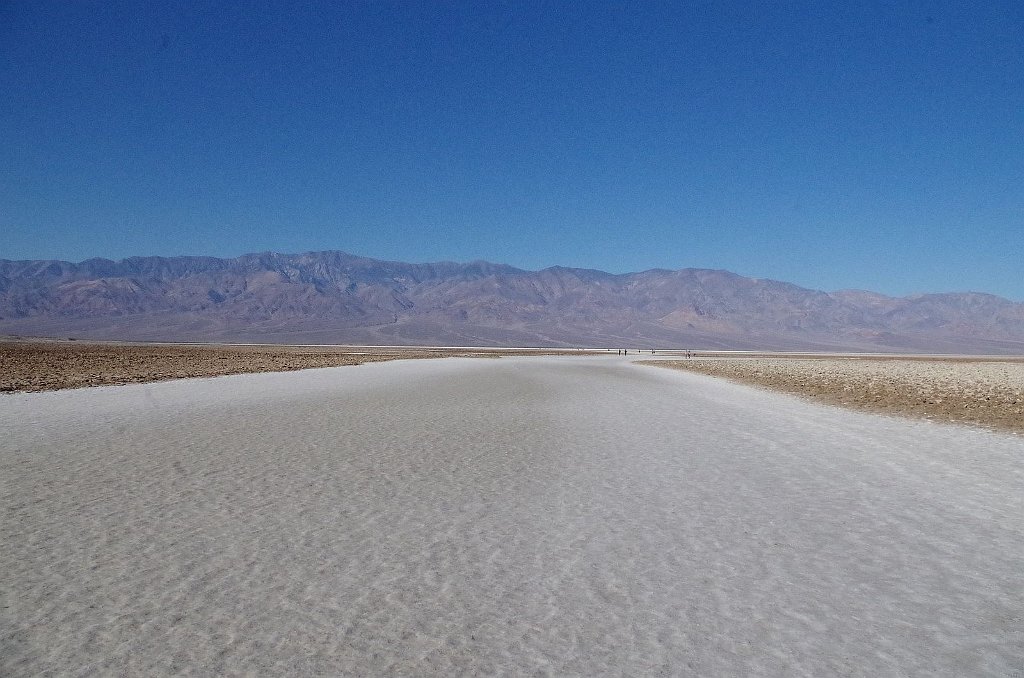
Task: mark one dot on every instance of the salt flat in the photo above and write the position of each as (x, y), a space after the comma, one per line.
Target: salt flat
(522, 516)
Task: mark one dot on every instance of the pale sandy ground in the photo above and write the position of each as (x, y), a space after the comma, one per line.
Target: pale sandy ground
(976, 391)
(541, 516)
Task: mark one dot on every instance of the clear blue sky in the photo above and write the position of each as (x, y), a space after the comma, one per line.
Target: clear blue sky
(870, 145)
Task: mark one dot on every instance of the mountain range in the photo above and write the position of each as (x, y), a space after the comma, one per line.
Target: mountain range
(334, 297)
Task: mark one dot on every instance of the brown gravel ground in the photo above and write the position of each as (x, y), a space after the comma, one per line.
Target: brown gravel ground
(985, 392)
(50, 365)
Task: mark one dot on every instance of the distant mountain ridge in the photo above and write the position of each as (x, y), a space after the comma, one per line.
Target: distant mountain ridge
(334, 297)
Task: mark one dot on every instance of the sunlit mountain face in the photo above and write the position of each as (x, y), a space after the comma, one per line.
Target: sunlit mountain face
(334, 297)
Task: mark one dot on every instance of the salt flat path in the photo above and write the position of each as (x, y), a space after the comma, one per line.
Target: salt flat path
(521, 516)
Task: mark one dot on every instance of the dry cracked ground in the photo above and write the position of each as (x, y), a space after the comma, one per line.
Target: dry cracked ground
(52, 365)
(973, 391)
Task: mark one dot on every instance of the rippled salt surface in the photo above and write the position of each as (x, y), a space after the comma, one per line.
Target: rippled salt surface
(541, 516)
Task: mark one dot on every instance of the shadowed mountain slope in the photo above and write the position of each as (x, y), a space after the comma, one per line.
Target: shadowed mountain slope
(333, 297)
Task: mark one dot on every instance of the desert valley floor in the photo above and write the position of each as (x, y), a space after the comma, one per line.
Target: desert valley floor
(522, 516)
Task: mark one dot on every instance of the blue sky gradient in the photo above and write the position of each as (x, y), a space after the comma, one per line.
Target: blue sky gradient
(876, 146)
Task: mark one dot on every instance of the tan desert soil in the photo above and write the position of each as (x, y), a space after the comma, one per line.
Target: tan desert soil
(968, 391)
(51, 365)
